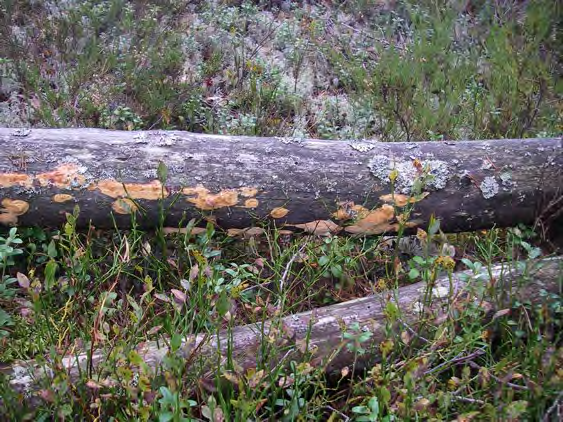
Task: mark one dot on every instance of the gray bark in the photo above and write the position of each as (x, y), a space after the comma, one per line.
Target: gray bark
(245, 181)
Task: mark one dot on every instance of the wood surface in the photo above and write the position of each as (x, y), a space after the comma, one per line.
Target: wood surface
(242, 182)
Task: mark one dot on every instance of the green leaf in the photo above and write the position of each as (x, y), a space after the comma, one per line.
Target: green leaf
(385, 395)
(336, 270)
(68, 229)
(374, 405)
(165, 416)
(534, 253)
(414, 273)
(5, 318)
(434, 226)
(223, 303)
(50, 271)
(52, 249)
(162, 172)
(419, 260)
(167, 396)
(175, 342)
(361, 409)
(467, 263)
(391, 311)
(135, 358)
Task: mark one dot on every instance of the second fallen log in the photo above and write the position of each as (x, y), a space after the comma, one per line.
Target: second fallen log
(319, 331)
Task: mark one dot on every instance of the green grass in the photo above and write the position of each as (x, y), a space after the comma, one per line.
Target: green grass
(414, 71)
(82, 291)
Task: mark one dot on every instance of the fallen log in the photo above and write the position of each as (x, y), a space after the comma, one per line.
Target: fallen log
(319, 331)
(244, 181)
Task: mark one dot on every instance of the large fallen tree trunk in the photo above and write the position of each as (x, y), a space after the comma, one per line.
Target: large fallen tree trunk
(243, 181)
(320, 331)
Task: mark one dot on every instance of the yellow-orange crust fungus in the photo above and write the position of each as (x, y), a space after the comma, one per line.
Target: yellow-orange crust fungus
(11, 209)
(208, 201)
(64, 176)
(374, 222)
(124, 206)
(279, 212)
(15, 206)
(341, 214)
(348, 210)
(251, 203)
(8, 180)
(401, 200)
(198, 190)
(8, 219)
(114, 189)
(248, 192)
(62, 197)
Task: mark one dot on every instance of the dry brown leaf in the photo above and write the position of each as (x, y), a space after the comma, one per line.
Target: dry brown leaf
(179, 295)
(23, 280)
(184, 230)
(320, 227)
(246, 233)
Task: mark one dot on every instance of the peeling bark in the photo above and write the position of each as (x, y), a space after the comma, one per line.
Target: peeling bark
(244, 181)
(319, 331)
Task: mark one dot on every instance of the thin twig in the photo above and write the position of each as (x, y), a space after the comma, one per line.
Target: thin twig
(342, 415)
(468, 400)
(413, 332)
(556, 405)
(456, 360)
(286, 270)
(456, 396)
(500, 381)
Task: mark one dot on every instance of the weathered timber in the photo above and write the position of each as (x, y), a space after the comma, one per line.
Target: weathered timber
(319, 331)
(244, 181)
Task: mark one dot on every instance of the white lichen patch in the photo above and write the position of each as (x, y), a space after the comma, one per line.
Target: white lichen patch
(487, 165)
(287, 140)
(489, 187)
(362, 146)
(141, 138)
(20, 132)
(167, 140)
(158, 139)
(437, 177)
(506, 180)
(440, 292)
(418, 307)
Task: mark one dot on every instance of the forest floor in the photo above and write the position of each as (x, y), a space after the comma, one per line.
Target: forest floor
(361, 69)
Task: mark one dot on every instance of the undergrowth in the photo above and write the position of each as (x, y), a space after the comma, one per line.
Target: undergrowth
(391, 71)
(68, 292)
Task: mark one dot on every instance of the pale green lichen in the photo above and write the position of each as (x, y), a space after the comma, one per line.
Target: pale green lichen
(489, 187)
(435, 177)
(506, 180)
